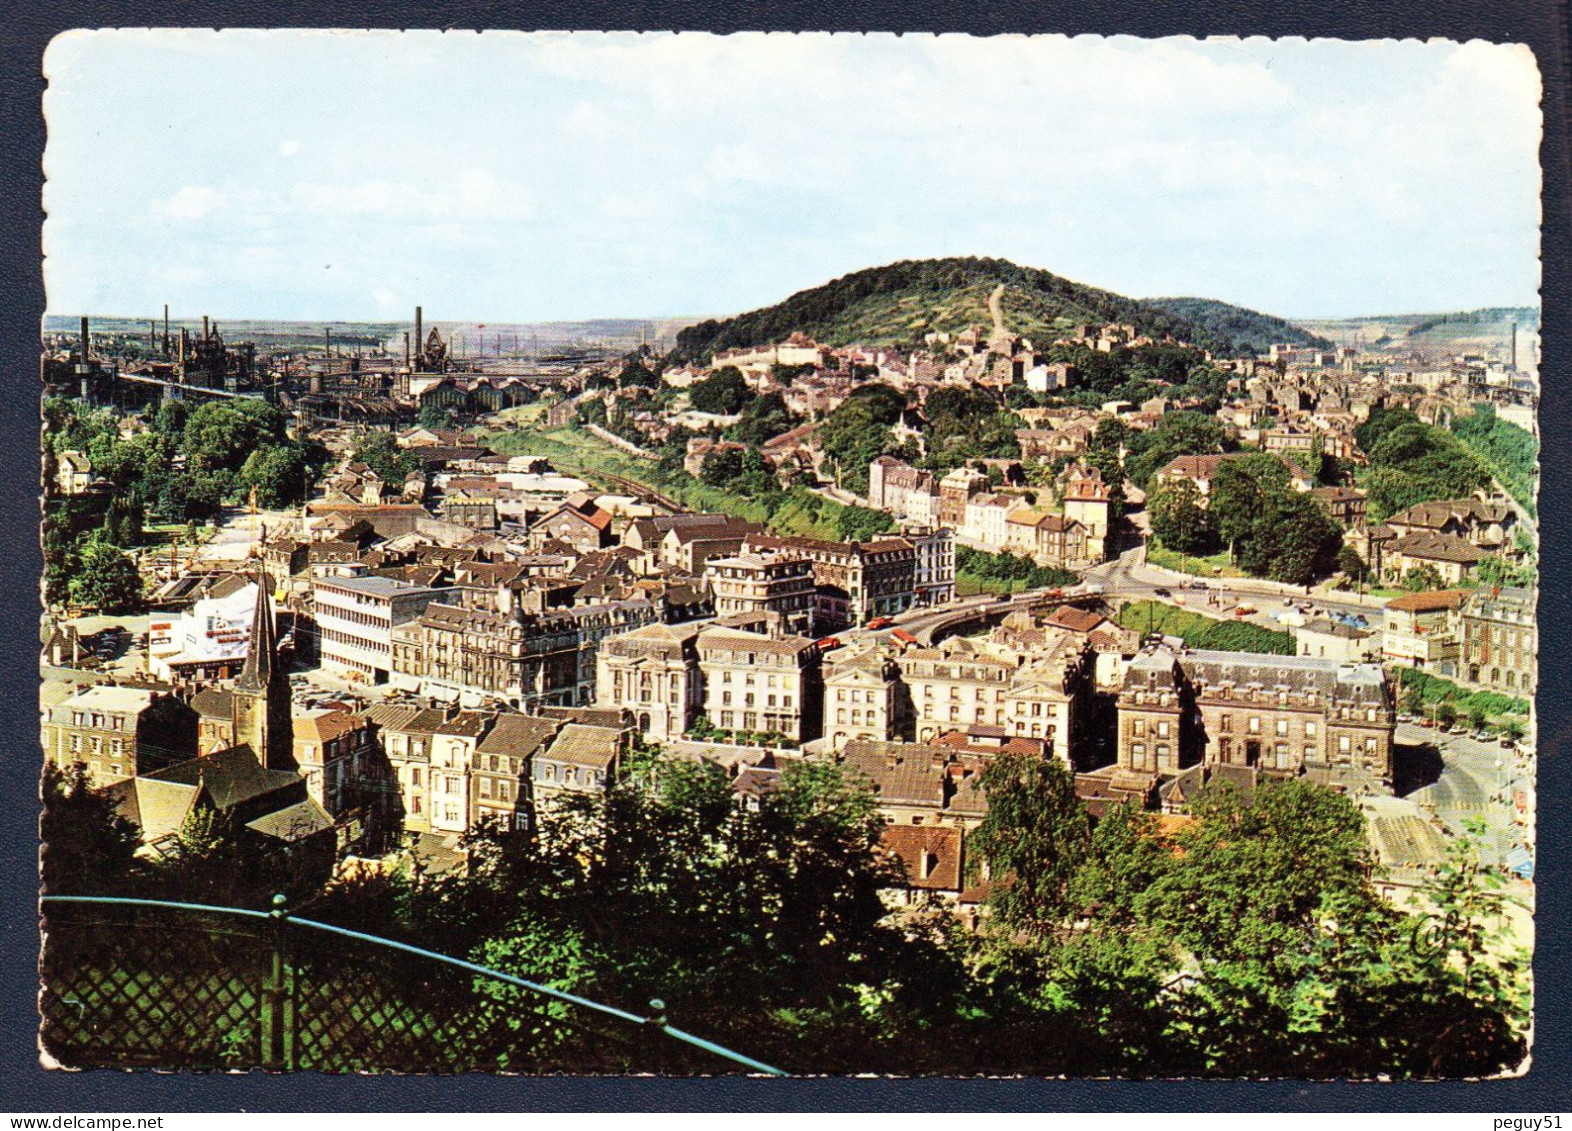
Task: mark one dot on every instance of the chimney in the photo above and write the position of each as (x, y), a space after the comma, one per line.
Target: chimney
(204, 328)
(1514, 345)
(166, 329)
(420, 342)
(87, 342)
(327, 339)
(406, 349)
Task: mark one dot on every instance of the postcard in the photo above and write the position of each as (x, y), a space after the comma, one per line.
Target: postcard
(816, 555)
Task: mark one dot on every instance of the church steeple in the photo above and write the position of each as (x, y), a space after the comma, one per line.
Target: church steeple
(257, 674)
(261, 699)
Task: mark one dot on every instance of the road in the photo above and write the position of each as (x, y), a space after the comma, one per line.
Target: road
(996, 310)
(1477, 783)
(1129, 575)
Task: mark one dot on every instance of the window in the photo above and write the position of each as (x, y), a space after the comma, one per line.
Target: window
(1162, 729)
(1255, 724)
(1310, 730)
(1226, 723)
(1282, 726)
(1138, 728)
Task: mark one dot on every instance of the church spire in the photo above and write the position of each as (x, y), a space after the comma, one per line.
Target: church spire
(257, 674)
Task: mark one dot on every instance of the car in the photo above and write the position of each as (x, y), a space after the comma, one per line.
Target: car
(1402, 718)
(1196, 585)
(880, 622)
(1507, 743)
(1161, 592)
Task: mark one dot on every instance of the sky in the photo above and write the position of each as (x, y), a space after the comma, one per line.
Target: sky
(561, 176)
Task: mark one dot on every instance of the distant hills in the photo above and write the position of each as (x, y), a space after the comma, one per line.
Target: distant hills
(1246, 328)
(897, 304)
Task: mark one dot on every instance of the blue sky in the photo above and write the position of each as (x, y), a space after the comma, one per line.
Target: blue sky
(512, 177)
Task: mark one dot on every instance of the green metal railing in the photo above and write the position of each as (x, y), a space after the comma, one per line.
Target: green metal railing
(145, 982)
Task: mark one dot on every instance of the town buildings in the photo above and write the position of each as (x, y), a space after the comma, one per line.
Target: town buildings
(356, 616)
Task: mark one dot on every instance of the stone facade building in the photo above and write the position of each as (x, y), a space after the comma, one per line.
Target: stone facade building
(754, 682)
(654, 673)
(1280, 714)
(1500, 640)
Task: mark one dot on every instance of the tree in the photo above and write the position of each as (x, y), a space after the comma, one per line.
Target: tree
(88, 848)
(379, 451)
(107, 579)
(723, 392)
(278, 474)
(1183, 433)
(1422, 578)
(721, 468)
(1179, 519)
(434, 416)
(1034, 838)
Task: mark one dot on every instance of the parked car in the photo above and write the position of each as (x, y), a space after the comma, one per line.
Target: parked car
(1162, 592)
(828, 643)
(880, 622)
(1507, 744)
(1196, 585)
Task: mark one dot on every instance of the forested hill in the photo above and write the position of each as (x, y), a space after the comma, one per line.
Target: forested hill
(899, 303)
(1246, 328)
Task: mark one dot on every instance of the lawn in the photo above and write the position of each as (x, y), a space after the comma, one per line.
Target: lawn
(1214, 565)
(1204, 632)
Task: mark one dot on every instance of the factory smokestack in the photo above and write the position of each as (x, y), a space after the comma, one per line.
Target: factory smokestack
(166, 329)
(406, 349)
(420, 341)
(87, 343)
(204, 328)
(1514, 346)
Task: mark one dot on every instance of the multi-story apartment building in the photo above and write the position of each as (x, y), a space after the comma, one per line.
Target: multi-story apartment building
(863, 697)
(954, 490)
(356, 616)
(933, 564)
(654, 673)
(119, 732)
(1279, 714)
(332, 749)
(504, 766)
(779, 584)
(954, 685)
(1420, 630)
(1500, 641)
(525, 659)
(754, 682)
(854, 581)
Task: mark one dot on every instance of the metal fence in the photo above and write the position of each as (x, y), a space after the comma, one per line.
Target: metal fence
(150, 984)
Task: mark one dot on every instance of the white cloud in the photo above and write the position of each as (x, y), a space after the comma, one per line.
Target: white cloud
(472, 196)
(288, 148)
(191, 202)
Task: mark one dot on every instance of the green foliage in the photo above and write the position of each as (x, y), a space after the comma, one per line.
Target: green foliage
(763, 418)
(1177, 434)
(967, 424)
(1496, 570)
(88, 848)
(1274, 530)
(379, 451)
(105, 579)
(858, 432)
(1200, 631)
(434, 416)
(1420, 690)
(1034, 839)
(1247, 329)
(1423, 578)
(900, 302)
(723, 392)
(1511, 453)
(1412, 462)
(1007, 573)
(1179, 519)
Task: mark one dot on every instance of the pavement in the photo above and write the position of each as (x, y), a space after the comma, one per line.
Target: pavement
(1478, 781)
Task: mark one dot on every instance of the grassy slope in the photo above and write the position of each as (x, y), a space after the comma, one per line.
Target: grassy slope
(1204, 632)
(578, 453)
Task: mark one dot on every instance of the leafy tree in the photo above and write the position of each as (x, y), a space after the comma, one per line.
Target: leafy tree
(279, 475)
(763, 419)
(1179, 519)
(379, 451)
(721, 468)
(723, 392)
(106, 579)
(1182, 433)
(434, 416)
(1272, 530)
(1422, 578)
(1034, 838)
(858, 431)
(88, 848)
